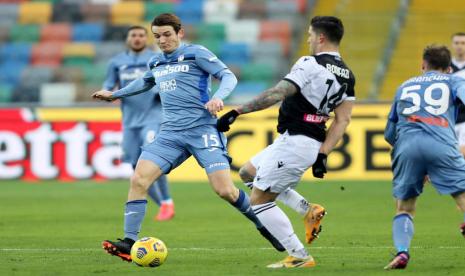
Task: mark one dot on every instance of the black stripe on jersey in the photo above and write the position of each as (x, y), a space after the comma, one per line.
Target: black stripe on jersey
(295, 108)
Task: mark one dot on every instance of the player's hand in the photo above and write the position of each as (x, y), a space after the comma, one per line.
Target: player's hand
(226, 120)
(319, 167)
(103, 95)
(214, 106)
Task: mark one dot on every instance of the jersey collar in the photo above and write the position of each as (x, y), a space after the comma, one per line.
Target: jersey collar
(176, 52)
(329, 53)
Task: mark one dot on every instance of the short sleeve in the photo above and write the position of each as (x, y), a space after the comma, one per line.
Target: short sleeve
(301, 72)
(206, 60)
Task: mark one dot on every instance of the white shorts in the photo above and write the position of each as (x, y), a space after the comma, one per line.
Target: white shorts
(460, 133)
(282, 164)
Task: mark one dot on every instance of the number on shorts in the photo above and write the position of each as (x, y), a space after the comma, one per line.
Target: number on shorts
(211, 140)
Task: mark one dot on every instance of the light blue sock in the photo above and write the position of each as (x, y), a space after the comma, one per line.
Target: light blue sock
(162, 184)
(402, 232)
(243, 205)
(133, 215)
(154, 193)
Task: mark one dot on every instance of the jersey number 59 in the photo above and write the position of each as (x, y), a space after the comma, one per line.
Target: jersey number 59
(433, 106)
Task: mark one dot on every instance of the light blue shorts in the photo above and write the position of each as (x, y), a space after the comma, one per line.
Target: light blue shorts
(134, 138)
(171, 148)
(419, 155)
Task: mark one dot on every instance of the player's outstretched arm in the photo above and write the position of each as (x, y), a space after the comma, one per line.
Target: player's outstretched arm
(137, 86)
(264, 100)
(228, 82)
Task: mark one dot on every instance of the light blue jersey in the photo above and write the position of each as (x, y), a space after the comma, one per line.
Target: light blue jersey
(183, 81)
(421, 129)
(140, 110)
(427, 103)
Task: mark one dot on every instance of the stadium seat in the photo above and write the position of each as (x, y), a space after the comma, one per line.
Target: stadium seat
(115, 33)
(220, 11)
(153, 9)
(252, 10)
(276, 31)
(36, 75)
(57, 93)
(29, 33)
(211, 44)
(190, 11)
(6, 93)
(10, 72)
(234, 53)
(4, 34)
(8, 14)
(95, 12)
(66, 12)
(207, 31)
(25, 94)
(35, 12)
(257, 72)
(56, 32)
(17, 52)
(282, 9)
(246, 30)
(47, 54)
(75, 54)
(68, 74)
(92, 32)
(106, 50)
(127, 12)
(94, 74)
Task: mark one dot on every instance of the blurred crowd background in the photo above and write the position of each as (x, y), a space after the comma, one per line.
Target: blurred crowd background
(56, 52)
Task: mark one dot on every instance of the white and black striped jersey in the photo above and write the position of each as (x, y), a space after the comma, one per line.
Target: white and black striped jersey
(323, 82)
(459, 71)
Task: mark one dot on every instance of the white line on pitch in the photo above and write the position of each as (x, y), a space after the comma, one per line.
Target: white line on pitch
(228, 249)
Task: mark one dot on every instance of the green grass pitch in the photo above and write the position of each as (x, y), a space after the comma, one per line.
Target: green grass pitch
(50, 228)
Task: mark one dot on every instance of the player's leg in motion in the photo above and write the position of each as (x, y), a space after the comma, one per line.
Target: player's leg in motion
(145, 174)
(312, 213)
(276, 221)
(222, 184)
(167, 205)
(402, 232)
(460, 200)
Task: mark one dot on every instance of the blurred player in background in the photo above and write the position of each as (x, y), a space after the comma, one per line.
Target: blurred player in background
(420, 128)
(458, 69)
(182, 72)
(142, 114)
(316, 86)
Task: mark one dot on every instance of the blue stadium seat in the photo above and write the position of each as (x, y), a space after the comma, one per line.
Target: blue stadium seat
(234, 53)
(10, 72)
(190, 11)
(88, 32)
(19, 52)
(8, 14)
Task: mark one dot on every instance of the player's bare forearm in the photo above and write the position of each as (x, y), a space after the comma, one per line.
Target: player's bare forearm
(335, 132)
(269, 97)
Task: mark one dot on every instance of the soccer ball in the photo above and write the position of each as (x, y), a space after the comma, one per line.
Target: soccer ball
(149, 251)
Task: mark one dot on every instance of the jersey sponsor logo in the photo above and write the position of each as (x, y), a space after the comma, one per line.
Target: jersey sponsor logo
(130, 76)
(313, 118)
(169, 85)
(171, 69)
(434, 121)
(338, 71)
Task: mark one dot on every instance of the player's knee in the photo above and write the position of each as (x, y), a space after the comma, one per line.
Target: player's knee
(138, 182)
(245, 175)
(227, 193)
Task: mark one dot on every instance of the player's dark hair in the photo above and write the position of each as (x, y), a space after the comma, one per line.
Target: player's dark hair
(330, 26)
(168, 19)
(438, 57)
(457, 34)
(136, 27)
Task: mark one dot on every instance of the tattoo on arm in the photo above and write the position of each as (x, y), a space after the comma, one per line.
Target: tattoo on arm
(269, 97)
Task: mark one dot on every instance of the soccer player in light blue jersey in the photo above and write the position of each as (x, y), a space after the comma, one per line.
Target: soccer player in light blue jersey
(142, 114)
(182, 75)
(421, 130)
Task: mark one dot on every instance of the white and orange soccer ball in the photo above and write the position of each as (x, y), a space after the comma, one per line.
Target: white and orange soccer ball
(149, 252)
